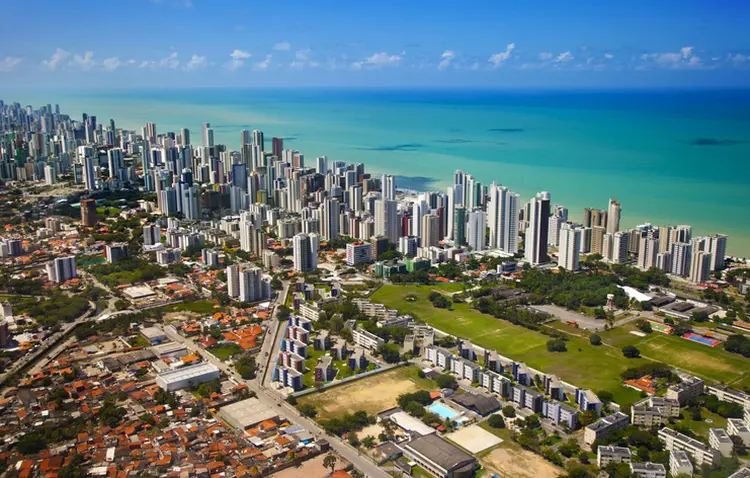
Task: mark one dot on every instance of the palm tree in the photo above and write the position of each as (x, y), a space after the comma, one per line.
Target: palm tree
(330, 462)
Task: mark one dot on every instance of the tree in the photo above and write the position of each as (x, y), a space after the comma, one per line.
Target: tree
(446, 381)
(556, 345)
(569, 448)
(588, 417)
(368, 441)
(605, 396)
(630, 351)
(644, 326)
(509, 411)
(700, 316)
(496, 421)
(595, 339)
(307, 410)
(390, 353)
(283, 313)
(330, 462)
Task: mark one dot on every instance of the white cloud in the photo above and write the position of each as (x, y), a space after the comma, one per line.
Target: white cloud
(9, 63)
(608, 56)
(170, 62)
(302, 54)
(564, 57)
(304, 59)
(196, 63)
(499, 58)
(282, 46)
(445, 59)
(378, 60)
(263, 65)
(739, 58)
(545, 56)
(685, 58)
(85, 62)
(113, 63)
(238, 59)
(58, 56)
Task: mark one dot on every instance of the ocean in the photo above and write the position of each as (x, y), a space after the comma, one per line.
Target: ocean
(669, 156)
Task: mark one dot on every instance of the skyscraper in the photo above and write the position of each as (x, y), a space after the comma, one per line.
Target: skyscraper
(388, 186)
(386, 219)
(430, 230)
(305, 256)
(681, 254)
(620, 247)
(329, 219)
(89, 174)
(61, 269)
(208, 136)
(233, 280)
(613, 216)
(151, 234)
(476, 229)
(502, 218)
(252, 287)
(717, 247)
(89, 218)
(537, 232)
(700, 266)
(459, 226)
(570, 244)
(556, 220)
(258, 139)
(648, 249)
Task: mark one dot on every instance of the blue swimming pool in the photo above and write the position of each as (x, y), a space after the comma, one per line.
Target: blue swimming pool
(445, 413)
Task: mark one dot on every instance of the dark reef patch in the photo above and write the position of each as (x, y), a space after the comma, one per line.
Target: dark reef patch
(714, 142)
(506, 130)
(415, 183)
(454, 141)
(396, 147)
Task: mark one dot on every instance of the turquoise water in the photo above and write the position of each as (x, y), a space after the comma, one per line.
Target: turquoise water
(670, 157)
(444, 412)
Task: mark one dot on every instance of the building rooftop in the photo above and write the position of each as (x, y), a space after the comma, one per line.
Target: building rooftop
(246, 413)
(684, 439)
(647, 467)
(721, 435)
(680, 457)
(743, 472)
(482, 404)
(439, 451)
(152, 332)
(186, 373)
(621, 451)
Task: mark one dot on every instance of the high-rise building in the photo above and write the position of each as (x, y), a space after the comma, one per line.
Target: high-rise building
(115, 251)
(613, 216)
(430, 230)
(252, 286)
(619, 247)
(556, 220)
(459, 226)
(114, 162)
(594, 217)
(358, 252)
(89, 173)
(378, 245)
(502, 218)
(717, 247)
(305, 253)
(682, 233)
(61, 269)
(89, 218)
(386, 219)
(570, 244)
(330, 211)
(700, 266)
(680, 254)
(185, 136)
(476, 230)
(208, 136)
(258, 139)
(388, 186)
(537, 233)
(233, 280)
(648, 248)
(407, 245)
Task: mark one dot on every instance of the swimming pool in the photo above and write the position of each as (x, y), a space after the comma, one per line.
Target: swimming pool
(446, 413)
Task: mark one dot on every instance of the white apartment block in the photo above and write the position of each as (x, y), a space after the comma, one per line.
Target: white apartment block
(719, 440)
(729, 395)
(654, 411)
(648, 470)
(439, 356)
(685, 390)
(602, 428)
(366, 339)
(679, 463)
(737, 427)
(701, 453)
(612, 454)
(309, 311)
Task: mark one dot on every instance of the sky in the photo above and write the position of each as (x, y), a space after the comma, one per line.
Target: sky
(437, 43)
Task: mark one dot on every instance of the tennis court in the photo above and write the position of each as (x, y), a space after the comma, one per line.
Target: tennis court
(701, 339)
(664, 329)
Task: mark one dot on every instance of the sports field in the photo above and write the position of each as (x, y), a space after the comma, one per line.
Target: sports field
(583, 364)
(372, 394)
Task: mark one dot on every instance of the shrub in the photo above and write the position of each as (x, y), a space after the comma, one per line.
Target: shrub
(556, 345)
(595, 339)
(496, 421)
(630, 351)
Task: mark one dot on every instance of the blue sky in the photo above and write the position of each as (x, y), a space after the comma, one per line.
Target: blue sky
(180, 43)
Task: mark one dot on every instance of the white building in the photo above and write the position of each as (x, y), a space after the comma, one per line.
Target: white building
(701, 453)
(305, 253)
(187, 377)
(502, 218)
(358, 252)
(737, 427)
(570, 244)
(700, 266)
(612, 454)
(648, 470)
(719, 440)
(253, 287)
(61, 269)
(679, 463)
(386, 219)
(476, 229)
(366, 339)
(151, 234)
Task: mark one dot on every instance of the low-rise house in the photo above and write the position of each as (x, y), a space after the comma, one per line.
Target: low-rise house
(612, 454)
(648, 470)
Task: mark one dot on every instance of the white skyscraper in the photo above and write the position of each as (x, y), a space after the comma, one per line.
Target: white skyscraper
(570, 244)
(190, 206)
(114, 162)
(61, 269)
(717, 247)
(388, 185)
(89, 174)
(648, 249)
(304, 252)
(613, 216)
(502, 218)
(251, 285)
(151, 234)
(620, 247)
(233, 280)
(556, 220)
(475, 230)
(537, 233)
(386, 219)
(208, 136)
(681, 253)
(321, 164)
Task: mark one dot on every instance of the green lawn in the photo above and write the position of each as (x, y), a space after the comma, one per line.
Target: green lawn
(597, 368)
(225, 351)
(197, 306)
(701, 427)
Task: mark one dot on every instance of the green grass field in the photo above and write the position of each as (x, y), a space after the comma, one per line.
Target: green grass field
(584, 365)
(701, 427)
(225, 351)
(196, 306)
(597, 368)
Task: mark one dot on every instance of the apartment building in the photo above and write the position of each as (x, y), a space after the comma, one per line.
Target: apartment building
(439, 356)
(309, 311)
(324, 369)
(679, 463)
(366, 339)
(587, 400)
(685, 390)
(729, 395)
(719, 440)
(737, 427)
(648, 470)
(654, 411)
(494, 382)
(561, 413)
(701, 453)
(602, 428)
(465, 369)
(612, 454)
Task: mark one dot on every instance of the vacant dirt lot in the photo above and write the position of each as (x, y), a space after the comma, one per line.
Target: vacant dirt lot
(520, 463)
(372, 394)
